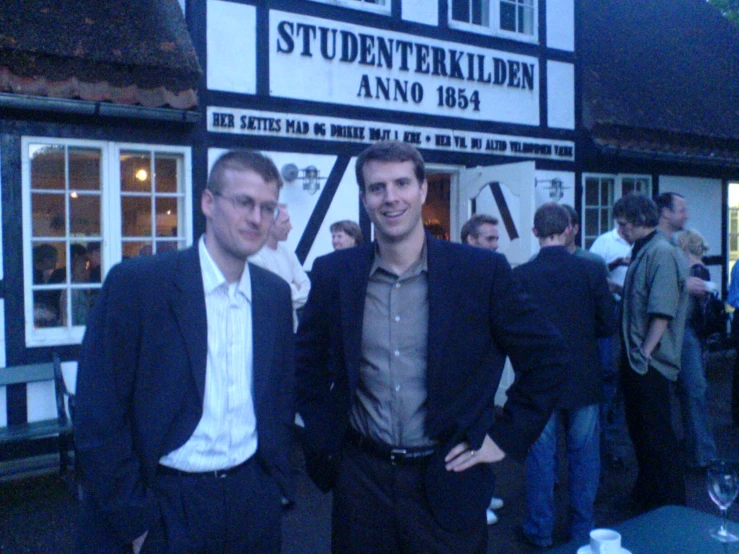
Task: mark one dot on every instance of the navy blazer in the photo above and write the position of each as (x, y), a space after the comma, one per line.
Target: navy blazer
(573, 293)
(141, 382)
(478, 314)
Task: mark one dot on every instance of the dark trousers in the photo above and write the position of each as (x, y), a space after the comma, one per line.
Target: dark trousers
(660, 480)
(239, 513)
(379, 508)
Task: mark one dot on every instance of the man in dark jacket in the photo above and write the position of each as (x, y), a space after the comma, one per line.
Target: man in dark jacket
(400, 352)
(573, 293)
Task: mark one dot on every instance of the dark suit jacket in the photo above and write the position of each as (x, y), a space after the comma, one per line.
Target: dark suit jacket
(573, 293)
(477, 315)
(141, 382)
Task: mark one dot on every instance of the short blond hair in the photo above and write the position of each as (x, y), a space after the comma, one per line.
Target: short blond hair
(692, 242)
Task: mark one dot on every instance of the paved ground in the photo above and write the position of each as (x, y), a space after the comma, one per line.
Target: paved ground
(37, 513)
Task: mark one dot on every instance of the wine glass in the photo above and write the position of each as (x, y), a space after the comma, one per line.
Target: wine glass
(723, 486)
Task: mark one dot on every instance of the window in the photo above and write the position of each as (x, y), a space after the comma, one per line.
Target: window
(514, 18)
(87, 206)
(517, 16)
(600, 192)
(380, 6)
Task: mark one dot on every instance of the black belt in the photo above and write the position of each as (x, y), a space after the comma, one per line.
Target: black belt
(396, 456)
(216, 473)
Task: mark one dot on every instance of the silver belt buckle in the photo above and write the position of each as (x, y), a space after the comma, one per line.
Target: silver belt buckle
(397, 454)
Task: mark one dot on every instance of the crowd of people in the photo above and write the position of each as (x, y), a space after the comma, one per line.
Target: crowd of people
(194, 366)
(51, 307)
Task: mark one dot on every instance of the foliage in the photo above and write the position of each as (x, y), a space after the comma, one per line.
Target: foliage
(729, 8)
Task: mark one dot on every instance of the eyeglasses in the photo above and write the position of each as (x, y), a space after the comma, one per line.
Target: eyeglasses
(245, 205)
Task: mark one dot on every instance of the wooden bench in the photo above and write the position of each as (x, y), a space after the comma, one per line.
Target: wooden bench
(60, 426)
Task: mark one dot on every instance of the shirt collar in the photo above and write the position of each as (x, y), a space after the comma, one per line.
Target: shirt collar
(418, 267)
(642, 242)
(213, 277)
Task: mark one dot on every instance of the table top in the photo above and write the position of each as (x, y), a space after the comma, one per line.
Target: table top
(668, 530)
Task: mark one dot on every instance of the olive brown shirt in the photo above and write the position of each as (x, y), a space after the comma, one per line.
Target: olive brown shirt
(391, 398)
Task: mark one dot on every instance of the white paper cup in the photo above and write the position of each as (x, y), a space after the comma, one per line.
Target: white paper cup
(605, 541)
(711, 286)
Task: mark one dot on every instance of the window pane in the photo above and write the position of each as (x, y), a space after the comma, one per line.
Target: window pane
(94, 251)
(136, 216)
(477, 13)
(84, 169)
(591, 221)
(137, 248)
(135, 172)
(47, 167)
(82, 304)
(507, 16)
(48, 274)
(48, 213)
(165, 245)
(591, 192)
(166, 172)
(461, 10)
(604, 193)
(84, 215)
(605, 224)
(526, 18)
(166, 211)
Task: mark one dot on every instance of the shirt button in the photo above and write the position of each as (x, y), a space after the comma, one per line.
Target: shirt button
(397, 285)
(397, 318)
(397, 388)
(397, 352)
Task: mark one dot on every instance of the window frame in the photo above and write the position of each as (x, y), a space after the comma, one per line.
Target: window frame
(361, 5)
(493, 26)
(110, 224)
(615, 193)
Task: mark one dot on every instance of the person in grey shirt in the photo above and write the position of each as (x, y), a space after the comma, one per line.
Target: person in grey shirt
(654, 309)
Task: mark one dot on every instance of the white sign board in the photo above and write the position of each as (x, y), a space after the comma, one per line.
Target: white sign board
(323, 61)
(275, 124)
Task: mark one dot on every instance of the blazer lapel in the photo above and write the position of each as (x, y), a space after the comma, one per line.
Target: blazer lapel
(353, 280)
(188, 305)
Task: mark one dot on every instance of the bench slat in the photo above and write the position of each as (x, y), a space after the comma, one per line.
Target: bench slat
(26, 374)
(35, 430)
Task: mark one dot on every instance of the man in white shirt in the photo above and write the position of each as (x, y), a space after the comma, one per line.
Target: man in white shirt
(185, 391)
(615, 250)
(279, 259)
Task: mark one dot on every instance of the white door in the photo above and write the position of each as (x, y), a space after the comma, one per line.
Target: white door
(506, 192)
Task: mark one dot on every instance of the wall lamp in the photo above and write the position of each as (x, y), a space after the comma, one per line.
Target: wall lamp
(310, 175)
(556, 188)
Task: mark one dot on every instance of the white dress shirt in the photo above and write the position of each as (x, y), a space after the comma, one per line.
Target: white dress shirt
(227, 432)
(285, 263)
(610, 246)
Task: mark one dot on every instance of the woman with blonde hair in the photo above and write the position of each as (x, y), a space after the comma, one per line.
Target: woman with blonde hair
(700, 448)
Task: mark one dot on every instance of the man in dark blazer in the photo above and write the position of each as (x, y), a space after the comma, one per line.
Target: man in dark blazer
(573, 293)
(185, 392)
(400, 352)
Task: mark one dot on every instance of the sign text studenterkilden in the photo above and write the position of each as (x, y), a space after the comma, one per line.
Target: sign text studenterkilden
(337, 62)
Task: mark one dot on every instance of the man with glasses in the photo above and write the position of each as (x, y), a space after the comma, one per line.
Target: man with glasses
(185, 386)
